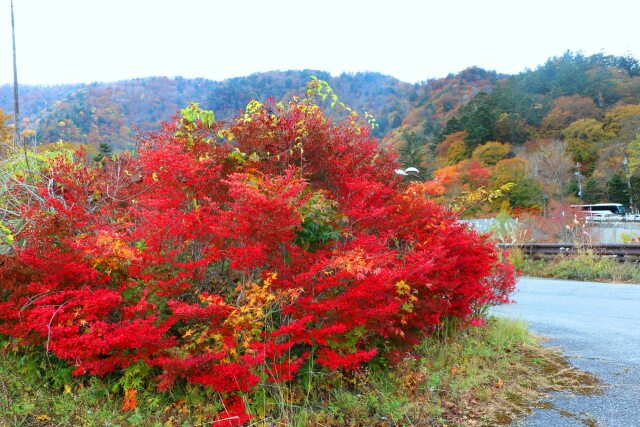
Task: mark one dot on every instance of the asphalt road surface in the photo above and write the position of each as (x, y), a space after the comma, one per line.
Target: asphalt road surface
(597, 326)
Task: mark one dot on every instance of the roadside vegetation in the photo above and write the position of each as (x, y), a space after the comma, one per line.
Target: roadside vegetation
(563, 225)
(241, 267)
(486, 375)
(585, 265)
(271, 270)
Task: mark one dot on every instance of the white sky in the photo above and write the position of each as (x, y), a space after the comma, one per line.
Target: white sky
(71, 41)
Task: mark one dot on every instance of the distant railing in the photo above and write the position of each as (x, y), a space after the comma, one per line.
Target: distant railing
(542, 250)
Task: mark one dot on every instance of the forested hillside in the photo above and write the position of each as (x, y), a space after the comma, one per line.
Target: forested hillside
(541, 129)
(470, 130)
(114, 112)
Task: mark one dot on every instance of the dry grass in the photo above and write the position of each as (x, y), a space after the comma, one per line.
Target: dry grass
(584, 265)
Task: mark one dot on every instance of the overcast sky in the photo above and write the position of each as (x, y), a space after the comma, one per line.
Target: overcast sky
(70, 41)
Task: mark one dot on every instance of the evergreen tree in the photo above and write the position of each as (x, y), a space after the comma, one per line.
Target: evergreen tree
(617, 189)
(104, 150)
(594, 192)
(479, 120)
(413, 151)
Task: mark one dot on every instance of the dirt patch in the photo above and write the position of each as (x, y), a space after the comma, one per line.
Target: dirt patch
(541, 372)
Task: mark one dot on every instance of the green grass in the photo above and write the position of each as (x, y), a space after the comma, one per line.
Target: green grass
(36, 390)
(585, 265)
(476, 376)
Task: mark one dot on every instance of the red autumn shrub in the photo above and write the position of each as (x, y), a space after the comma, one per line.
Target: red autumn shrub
(226, 255)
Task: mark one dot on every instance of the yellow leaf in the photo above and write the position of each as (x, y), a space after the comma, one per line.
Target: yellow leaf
(154, 176)
(67, 389)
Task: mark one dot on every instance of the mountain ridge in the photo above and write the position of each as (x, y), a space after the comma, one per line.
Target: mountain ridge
(476, 127)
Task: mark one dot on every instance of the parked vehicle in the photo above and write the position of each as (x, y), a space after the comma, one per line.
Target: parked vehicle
(613, 208)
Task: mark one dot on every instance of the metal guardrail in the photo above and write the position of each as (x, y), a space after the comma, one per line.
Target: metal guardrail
(541, 250)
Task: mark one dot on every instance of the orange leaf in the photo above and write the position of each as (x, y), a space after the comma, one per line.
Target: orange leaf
(129, 403)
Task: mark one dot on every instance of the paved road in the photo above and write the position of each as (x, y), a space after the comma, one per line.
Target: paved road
(597, 326)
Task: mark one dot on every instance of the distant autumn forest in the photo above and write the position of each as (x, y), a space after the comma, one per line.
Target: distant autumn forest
(471, 130)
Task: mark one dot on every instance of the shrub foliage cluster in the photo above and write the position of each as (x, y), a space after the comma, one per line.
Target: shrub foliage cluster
(227, 255)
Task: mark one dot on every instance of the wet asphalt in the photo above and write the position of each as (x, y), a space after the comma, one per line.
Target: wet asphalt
(597, 327)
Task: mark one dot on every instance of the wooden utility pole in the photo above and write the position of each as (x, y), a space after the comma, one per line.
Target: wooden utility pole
(16, 105)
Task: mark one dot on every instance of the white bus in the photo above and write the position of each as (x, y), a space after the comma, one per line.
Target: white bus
(614, 208)
(602, 211)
